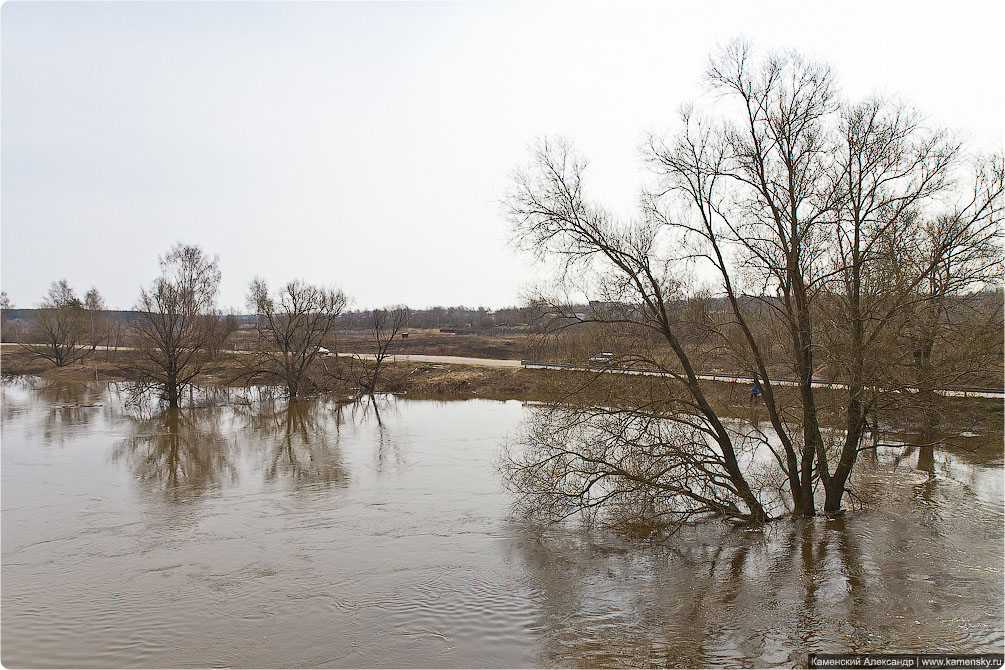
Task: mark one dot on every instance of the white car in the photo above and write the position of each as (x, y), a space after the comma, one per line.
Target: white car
(603, 357)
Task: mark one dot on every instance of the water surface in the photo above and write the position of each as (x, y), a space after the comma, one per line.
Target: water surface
(378, 535)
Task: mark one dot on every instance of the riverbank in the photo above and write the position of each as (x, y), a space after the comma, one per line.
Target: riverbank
(436, 380)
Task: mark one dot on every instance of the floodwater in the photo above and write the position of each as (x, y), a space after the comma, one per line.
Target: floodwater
(379, 536)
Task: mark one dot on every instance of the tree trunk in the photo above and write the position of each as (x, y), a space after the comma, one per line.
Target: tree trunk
(854, 425)
(804, 505)
(171, 390)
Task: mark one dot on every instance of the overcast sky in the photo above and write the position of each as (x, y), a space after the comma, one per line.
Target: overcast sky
(366, 145)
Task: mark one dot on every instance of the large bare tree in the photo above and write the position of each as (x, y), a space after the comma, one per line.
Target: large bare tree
(292, 330)
(807, 191)
(785, 197)
(178, 330)
(887, 170)
(629, 266)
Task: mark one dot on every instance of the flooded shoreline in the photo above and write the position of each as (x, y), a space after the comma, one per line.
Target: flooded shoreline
(324, 535)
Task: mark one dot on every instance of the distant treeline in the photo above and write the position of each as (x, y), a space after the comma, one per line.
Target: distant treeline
(457, 317)
(480, 318)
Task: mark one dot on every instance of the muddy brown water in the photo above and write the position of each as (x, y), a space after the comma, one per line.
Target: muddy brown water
(257, 536)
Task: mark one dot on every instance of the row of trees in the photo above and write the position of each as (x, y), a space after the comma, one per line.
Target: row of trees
(837, 229)
(177, 331)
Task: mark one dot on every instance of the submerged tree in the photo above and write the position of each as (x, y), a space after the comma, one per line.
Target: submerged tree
(629, 268)
(293, 330)
(178, 330)
(786, 200)
(636, 465)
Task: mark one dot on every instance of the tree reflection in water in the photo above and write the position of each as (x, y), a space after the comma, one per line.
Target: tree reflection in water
(894, 576)
(388, 454)
(184, 452)
(702, 602)
(301, 439)
(190, 451)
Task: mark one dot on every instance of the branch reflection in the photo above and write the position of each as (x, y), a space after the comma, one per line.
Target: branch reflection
(300, 439)
(185, 453)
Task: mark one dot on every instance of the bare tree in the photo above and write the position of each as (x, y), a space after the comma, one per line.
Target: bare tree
(748, 196)
(178, 330)
(384, 326)
(117, 330)
(630, 266)
(293, 330)
(776, 161)
(886, 169)
(804, 192)
(949, 266)
(59, 330)
(787, 197)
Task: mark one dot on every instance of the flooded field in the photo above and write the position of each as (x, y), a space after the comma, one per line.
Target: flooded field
(379, 536)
